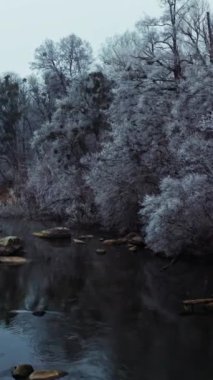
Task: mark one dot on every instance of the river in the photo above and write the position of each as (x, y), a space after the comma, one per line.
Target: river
(109, 317)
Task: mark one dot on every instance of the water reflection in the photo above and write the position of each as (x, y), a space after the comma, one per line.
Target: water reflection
(108, 317)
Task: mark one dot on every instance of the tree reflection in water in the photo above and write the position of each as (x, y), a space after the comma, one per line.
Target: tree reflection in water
(108, 317)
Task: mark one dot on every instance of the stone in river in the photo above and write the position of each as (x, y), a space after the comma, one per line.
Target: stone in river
(13, 260)
(46, 375)
(78, 241)
(115, 241)
(133, 249)
(9, 245)
(100, 251)
(21, 371)
(54, 233)
(137, 240)
(86, 236)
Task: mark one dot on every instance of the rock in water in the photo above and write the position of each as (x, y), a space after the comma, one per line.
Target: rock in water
(9, 245)
(137, 240)
(22, 371)
(13, 260)
(78, 241)
(46, 375)
(100, 251)
(54, 233)
(132, 249)
(115, 241)
(86, 237)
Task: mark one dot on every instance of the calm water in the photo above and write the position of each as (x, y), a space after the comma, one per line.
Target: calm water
(109, 317)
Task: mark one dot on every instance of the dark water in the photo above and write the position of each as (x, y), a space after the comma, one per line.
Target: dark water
(109, 317)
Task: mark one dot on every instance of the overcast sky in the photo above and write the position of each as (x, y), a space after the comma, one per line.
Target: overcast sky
(25, 24)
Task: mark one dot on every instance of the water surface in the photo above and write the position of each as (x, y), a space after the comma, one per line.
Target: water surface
(110, 317)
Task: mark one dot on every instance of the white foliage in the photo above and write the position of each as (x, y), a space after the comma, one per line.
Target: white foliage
(129, 142)
(181, 216)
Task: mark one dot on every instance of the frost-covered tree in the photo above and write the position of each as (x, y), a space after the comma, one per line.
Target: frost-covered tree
(156, 69)
(42, 100)
(181, 216)
(128, 143)
(136, 155)
(180, 219)
(63, 61)
(193, 103)
(77, 128)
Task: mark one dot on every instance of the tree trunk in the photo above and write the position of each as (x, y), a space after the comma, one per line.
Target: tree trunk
(210, 37)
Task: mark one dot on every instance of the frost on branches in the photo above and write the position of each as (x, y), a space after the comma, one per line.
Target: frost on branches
(77, 129)
(126, 142)
(181, 216)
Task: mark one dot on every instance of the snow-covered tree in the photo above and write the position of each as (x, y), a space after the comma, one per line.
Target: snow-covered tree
(181, 216)
(63, 61)
(127, 143)
(77, 128)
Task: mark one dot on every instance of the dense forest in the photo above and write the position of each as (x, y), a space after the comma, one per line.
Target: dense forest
(126, 142)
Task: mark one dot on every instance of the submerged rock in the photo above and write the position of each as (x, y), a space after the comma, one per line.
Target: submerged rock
(100, 251)
(10, 244)
(54, 233)
(86, 237)
(22, 371)
(133, 249)
(13, 260)
(46, 375)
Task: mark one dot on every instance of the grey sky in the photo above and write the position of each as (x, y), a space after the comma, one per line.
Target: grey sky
(25, 24)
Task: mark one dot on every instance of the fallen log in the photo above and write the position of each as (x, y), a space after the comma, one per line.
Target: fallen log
(197, 306)
(198, 301)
